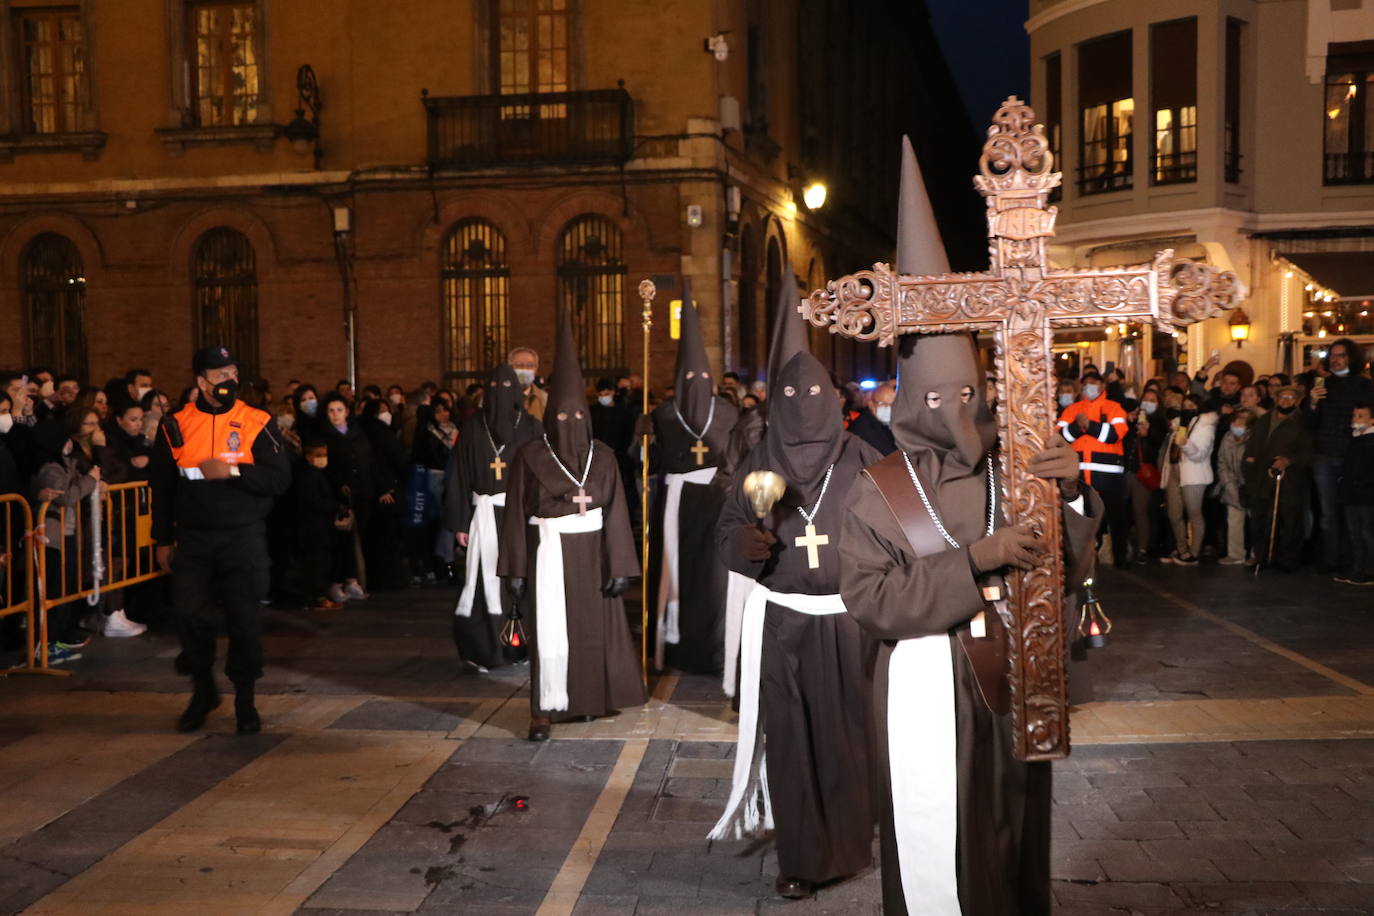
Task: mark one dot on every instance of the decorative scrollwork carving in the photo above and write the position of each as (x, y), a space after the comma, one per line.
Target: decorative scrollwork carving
(859, 306)
(1016, 155)
(1202, 291)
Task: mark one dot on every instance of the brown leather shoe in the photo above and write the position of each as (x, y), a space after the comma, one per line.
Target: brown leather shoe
(794, 888)
(539, 729)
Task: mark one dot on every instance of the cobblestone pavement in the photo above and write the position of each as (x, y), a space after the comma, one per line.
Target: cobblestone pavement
(1226, 765)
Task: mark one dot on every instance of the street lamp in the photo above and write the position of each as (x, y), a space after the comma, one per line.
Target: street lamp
(1240, 327)
(303, 132)
(814, 195)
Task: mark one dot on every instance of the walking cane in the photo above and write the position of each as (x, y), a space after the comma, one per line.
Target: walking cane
(647, 291)
(1273, 520)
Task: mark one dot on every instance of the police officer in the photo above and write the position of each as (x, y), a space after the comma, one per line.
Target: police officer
(216, 466)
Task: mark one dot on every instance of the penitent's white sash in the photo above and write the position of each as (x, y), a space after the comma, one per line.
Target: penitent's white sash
(482, 549)
(668, 574)
(737, 594)
(551, 604)
(923, 768)
(749, 783)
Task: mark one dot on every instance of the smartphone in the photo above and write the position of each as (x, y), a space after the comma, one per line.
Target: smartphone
(1216, 354)
(1319, 382)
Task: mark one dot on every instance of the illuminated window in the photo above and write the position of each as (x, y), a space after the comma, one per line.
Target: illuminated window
(1107, 114)
(225, 291)
(1054, 112)
(475, 280)
(532, 53)
(223, 58)
(1173, 98)
(54, 292)
(53, 79)
(591, 286)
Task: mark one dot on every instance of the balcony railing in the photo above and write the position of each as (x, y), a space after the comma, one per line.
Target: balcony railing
(1175, 168)
(1102, 178)
(548, 128)
(1349, 168)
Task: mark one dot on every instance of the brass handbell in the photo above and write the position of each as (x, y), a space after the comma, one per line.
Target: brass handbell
(763, 489)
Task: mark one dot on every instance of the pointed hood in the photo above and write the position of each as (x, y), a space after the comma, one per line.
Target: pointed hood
(692, 381)
(805, 431)
(501, 404)
(789, 329)
(567, 424)
(920, 250)
(940, 408)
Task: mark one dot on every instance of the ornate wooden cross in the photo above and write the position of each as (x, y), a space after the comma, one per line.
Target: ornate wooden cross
(701, 450)
(498, 466)
(1022, 299)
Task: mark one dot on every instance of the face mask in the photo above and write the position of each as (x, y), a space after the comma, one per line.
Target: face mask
(606, 400)
(1238, 431)
(309, 407)
(884, 414)
(320, 463)
(1065, 400)
(140, 392)
(1359, 427)
(1090, 392)
(526, 377)
(1187, 416)
(1285, 411)
(6, 423)
(226, 391)
(385, 418)
(1340, 373)
(286, 421)
(1149, 407)
(397, 399)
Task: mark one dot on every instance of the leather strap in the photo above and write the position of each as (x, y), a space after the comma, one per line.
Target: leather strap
(987, 655)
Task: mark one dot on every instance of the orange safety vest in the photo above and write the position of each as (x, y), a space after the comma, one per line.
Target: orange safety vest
(1102, 449)
(228, 436)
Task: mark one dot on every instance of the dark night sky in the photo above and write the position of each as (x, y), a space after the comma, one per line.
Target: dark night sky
(988, 50)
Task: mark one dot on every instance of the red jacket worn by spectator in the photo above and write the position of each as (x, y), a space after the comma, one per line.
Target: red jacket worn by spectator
(1100, 445)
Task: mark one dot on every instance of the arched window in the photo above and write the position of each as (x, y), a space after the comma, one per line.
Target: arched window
(773, 284)
(54, 291)
(591, 286)
(475, 284)
(748, 301)
(225, 296)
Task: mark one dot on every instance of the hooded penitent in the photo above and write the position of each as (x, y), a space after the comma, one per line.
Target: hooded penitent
(566, 421)
(789, 329)
(805, 431)
(940, 410)
(501, 404)
(692, 382)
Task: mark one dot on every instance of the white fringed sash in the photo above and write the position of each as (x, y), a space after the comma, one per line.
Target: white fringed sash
(668, 582)
(551, 608)
(482, 549)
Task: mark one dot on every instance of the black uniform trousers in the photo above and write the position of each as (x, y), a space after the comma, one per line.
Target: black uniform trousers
(220, 571)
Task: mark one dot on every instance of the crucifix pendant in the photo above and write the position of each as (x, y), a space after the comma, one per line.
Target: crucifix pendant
(498, 466)
(813, 542)
(701, 450)
(582, 499)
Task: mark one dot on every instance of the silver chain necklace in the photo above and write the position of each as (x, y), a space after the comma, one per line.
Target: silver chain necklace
(939, 525)
(811, 518)
(581, 484)
(487, 429)
(710, 416)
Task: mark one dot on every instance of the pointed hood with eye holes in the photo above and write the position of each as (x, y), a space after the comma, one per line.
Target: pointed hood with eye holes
(789, 330)
(502, 403)
(930, 416)
(692, 395)
(571, 436)
(805, 431)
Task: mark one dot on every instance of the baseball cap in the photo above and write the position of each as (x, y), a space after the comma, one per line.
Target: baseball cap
(208, 358)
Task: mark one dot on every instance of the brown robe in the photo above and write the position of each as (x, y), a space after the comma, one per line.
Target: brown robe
(603, 662)
(1004, 805)
(701, 575)
(478, 637)
(815, 691)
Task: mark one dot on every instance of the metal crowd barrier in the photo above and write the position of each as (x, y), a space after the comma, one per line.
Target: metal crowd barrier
(60, 570)
(16, 566)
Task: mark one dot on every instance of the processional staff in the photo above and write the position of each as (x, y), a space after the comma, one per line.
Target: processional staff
(647, 291)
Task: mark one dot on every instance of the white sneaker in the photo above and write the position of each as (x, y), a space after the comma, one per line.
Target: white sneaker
(336, 593)
(355, 591)
(118, 625)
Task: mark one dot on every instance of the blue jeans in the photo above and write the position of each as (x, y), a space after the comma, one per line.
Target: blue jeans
(1326, 475)
(1359, 530)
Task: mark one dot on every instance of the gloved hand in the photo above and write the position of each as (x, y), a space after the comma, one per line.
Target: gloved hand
(516, 586)
(756, 544)
(614, 588)
(1015, 546)
(1058, 462)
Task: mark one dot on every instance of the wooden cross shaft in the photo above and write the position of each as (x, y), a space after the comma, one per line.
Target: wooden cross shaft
(1021, 300)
